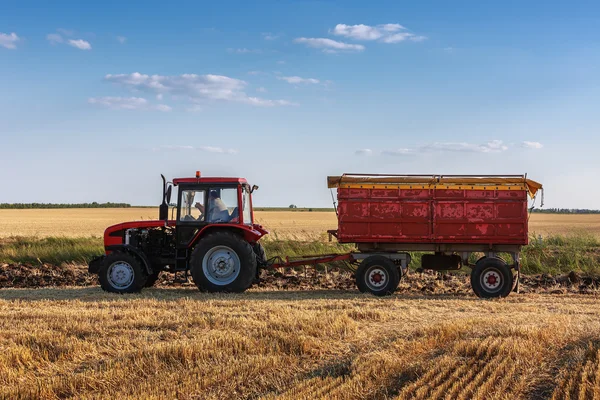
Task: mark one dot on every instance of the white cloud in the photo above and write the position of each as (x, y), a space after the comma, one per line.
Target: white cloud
(297, 79)
(54, 38)
(268, 103)
(280, 62)
(212, 149)
(159, 96)
(121, 39)
(127, 103)
(209, 149)
(269, 36)
(261, 90)
(163, 107)
(397, 152)
(364, 152)
(532, 145)
(329, 45)
(386, 33)
(194, 87)
(194, 108)
(493, 146)
(66, 32)
(80, 44)
(400, 37)
(244, 51)
(9, 41)
(254, 72)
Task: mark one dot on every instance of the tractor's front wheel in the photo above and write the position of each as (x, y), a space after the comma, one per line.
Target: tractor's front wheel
(223, 262)
(122, 273)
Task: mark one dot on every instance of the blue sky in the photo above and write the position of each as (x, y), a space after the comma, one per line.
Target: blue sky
(98, 98)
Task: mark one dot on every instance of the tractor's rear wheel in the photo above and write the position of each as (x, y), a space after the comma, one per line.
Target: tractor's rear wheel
(122, 273)
(378, 275)
(223, 262)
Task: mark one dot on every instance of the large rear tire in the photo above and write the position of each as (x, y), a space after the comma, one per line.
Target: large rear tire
(377, 275)
(223, 262)
(491, 277)
(122, 273)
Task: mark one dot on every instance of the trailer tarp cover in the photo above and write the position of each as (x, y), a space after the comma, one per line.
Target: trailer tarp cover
(505, 181)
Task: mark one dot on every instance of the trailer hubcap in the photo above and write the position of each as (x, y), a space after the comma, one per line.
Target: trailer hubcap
(491, 280)
(120, 274)
(221, 265)
(376, 278)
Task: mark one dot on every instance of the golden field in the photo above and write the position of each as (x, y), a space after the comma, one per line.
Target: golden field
(179, 343)
(282, 224)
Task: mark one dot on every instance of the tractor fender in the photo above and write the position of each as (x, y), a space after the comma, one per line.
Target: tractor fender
(133, 251)
(95, 264)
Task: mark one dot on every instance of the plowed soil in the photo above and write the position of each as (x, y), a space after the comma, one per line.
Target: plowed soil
(46, 275)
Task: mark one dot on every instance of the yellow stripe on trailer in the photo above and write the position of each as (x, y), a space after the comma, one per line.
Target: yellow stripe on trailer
(457, 182)
(441, 186)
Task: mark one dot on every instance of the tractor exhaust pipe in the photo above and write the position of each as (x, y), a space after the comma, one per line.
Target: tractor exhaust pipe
(163, 210)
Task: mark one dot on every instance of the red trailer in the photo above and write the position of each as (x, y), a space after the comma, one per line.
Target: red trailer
(449, 217)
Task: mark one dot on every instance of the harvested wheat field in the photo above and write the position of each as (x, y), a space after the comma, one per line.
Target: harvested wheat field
(179, 343)
(296, 225)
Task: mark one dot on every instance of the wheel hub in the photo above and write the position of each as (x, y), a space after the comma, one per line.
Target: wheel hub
(376, 278)
(120, 274)
(491, 280)
(221, 265)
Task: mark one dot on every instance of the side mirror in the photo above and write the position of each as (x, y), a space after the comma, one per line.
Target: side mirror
(169, 189)
(254, 187)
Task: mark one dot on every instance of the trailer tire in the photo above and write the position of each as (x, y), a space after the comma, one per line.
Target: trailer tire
(223, 262)
(377, 275)
(491, 277)
(122, 273)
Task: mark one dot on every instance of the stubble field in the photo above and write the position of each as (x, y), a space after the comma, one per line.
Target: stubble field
(179, 343)
(282, 224)
(78, 342)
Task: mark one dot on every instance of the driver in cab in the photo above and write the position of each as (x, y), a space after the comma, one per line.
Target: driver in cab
(217, 210)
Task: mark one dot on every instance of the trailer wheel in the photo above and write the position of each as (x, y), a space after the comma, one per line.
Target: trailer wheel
(377, 275)
(223, 262)
(491, 277)
(122, 273)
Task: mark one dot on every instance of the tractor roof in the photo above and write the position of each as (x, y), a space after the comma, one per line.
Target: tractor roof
(210, 180)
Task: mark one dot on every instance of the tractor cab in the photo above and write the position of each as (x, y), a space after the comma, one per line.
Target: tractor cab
(210, 235)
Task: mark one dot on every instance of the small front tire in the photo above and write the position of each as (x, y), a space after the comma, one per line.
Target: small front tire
(377, 275)
(122, 273)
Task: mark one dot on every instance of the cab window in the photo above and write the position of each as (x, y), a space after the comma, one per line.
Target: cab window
(192, 205)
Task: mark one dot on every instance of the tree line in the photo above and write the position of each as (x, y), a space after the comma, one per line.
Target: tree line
(23, 206)
(565, 211)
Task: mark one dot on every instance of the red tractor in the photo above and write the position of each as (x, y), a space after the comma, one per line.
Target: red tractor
(213, 237)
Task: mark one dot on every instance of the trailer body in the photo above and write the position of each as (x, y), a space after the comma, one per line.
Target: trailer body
(432, 210)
